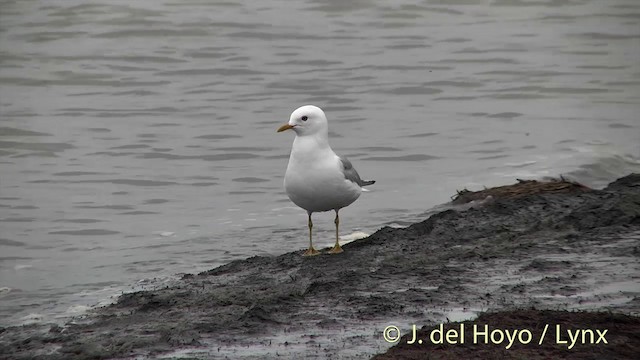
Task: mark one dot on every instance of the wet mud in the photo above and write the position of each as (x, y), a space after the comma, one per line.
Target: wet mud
(495, 255)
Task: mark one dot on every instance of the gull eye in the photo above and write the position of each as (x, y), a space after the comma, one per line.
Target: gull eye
(304, 118)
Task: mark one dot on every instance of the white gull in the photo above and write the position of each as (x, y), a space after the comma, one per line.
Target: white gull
(317, 179)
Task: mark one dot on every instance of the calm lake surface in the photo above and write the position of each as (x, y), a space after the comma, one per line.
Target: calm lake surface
(137, 139)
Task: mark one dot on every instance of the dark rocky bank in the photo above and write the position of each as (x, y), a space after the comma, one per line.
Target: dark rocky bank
(502, 254)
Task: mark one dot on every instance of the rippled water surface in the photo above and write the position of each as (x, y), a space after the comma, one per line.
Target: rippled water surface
(137, 139)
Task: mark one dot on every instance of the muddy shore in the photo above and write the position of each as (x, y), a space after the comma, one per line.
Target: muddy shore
(555, 248)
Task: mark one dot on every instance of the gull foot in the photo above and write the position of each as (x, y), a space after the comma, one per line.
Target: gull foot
(311, 252)
(336, 250)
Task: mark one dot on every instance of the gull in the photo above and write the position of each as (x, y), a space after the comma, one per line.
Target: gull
(317, 179)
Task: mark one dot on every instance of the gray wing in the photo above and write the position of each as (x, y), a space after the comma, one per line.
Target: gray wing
(351, 174)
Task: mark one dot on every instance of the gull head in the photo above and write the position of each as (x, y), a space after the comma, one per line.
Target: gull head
(307, 120)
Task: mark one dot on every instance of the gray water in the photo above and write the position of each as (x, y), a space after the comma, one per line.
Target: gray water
(137, 139)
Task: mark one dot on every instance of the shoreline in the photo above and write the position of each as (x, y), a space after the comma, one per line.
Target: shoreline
(548, 246)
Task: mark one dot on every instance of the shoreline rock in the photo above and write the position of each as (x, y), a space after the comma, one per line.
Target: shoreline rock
(574, 249)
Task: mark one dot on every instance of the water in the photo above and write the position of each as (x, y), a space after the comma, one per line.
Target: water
(137, 140)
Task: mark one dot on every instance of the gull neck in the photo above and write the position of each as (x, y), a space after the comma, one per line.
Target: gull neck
(310, 146)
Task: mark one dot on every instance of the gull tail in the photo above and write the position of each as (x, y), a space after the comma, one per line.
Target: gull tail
(365, 183)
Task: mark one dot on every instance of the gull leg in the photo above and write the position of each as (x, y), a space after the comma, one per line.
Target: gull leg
(336, 248)
(310, 251)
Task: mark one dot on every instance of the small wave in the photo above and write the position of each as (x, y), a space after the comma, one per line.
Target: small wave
(410, 90)
(7, 242)
(22, 266)
(164, 233)
(85, 232)
(75, 310)
(605, 169)
(214, 157)
(353, 236)
(32, 318)
(5, 290)
(9, 131)
(521, 164)
(143, 33)
(412, 157)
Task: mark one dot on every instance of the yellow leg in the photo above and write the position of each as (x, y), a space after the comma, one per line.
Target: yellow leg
(310, 251)
(336, 248)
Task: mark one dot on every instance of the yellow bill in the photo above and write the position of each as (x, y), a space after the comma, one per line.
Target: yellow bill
(285, 127)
